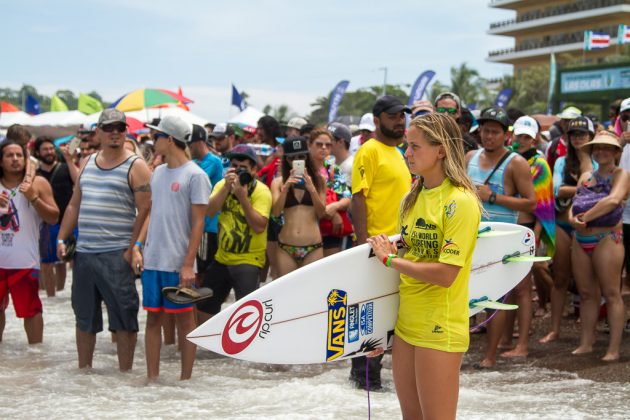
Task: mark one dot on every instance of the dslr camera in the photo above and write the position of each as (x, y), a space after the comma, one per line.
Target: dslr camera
(244, 176)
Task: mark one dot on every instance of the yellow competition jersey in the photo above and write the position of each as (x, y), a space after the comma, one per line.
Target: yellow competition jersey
(380, 171)
(238, 243)
(441, 227)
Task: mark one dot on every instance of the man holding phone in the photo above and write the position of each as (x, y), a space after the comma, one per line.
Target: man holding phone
(61, 176)
(245, 205)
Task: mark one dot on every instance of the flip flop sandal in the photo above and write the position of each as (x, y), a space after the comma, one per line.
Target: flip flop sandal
(185, 295)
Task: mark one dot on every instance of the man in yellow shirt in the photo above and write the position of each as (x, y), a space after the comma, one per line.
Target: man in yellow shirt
(245, 205)
(380, 180)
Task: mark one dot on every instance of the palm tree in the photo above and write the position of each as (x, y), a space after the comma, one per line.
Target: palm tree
(467, 83)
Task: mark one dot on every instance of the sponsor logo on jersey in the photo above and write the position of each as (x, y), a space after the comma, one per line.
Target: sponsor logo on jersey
(422, 224)
(353, 323)
(367, 318)
(450, 247)
(337, 308)
(450, 209)
(242, 327)
(437, 330)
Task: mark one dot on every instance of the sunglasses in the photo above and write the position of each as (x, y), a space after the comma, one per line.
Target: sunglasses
(421, 113)
(159, 136)
(322, 145)
(442, 110)
(110, 128)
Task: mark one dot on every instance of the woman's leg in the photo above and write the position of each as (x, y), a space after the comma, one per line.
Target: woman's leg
(437, 378)
(544, 283)
(523, 294)
(285, 263)
(607, 262)
(589, 297)
(403, 369)
(561, 279)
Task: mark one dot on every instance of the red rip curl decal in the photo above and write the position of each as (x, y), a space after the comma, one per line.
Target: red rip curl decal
(242, 327)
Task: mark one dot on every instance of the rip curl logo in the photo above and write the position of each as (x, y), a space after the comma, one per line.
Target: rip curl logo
(450, 247)
(450, 209)
(242, 327)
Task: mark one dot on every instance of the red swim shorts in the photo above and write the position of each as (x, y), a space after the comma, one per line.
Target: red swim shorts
(23, 284)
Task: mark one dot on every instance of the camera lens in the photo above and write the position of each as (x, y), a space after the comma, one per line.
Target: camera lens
(244, 177)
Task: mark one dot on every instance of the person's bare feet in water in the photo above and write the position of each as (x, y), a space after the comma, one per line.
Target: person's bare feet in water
(518, 351)
(485, 364)
(552, 336)
(582, 350)
(610, 357)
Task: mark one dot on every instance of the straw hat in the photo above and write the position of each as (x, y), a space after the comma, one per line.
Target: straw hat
(603, 137)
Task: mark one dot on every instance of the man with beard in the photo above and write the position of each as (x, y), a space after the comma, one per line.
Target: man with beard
(61, 177)
(110, 203)
(504, 184)
(24, 204)
(380, 179)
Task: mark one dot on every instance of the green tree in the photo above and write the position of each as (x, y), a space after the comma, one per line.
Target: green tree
(68, 97)
(467, 84)
(529, 89)
(282, 112)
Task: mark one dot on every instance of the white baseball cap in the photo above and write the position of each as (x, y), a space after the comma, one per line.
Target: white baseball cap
(297, 123)
(625, 105)
(525, 125)
(367, 122)
(174, 127)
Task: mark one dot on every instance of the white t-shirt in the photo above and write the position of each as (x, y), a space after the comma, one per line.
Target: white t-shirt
(173, 192)
(346, 169)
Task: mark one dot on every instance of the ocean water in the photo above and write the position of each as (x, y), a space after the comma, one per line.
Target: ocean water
(43, 382)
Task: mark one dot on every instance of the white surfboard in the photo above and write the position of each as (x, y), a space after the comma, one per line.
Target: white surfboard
(346, 305)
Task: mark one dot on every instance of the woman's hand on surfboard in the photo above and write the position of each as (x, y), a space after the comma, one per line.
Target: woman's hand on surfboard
(382, 246)
(375, 352)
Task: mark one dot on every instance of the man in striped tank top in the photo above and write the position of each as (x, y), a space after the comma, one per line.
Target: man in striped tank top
(505, 186)
(110, 204)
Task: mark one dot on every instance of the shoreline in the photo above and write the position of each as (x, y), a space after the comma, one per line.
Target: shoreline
(557, 354)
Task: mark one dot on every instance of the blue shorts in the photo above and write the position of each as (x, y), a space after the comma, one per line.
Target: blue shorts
(48, 242)
(152, 300)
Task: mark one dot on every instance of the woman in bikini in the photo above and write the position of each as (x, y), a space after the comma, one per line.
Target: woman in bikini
(597, 254)
(567, 171)
(302, 199)
(320, 144)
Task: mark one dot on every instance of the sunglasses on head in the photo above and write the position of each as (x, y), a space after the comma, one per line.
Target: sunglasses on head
(443, 110)
(118, 127)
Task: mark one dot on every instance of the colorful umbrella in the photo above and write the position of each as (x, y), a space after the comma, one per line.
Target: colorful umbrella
(8, 107)
(147, 98)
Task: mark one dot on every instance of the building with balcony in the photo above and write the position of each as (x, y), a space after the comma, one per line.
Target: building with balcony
(545, 26)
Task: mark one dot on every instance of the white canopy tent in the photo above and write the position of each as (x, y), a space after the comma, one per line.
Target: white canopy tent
(148, 114)
(55, 124)
(249, 116)
(7, 119)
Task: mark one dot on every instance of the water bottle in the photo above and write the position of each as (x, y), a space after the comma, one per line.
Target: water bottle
(262, 149)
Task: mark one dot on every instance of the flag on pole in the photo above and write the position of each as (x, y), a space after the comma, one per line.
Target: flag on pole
(32, 105)
(335, 99)
(89, 105)
(503, 98)
(57, 105)
(420, 86)
(237, 99)
(595, 40)
(623, 34)
(552, 82)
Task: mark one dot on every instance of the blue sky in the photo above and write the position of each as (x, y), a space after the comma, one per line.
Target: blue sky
(279, 51)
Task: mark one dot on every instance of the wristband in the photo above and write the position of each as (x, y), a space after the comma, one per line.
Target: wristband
(61, 242)
(493, 198)
(139, 244)
(388, 261)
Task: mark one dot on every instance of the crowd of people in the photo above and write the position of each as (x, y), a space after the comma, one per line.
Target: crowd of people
(207, 210)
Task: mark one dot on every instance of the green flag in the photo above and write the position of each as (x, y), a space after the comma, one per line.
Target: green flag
(57, 105)
(89, 105)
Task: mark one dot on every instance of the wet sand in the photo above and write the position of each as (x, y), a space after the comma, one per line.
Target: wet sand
(557, 355)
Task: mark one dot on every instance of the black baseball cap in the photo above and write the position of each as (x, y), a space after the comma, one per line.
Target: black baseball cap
(295, 145)
(496, 114)
(198, 133)
(389, 104)
(582, 124)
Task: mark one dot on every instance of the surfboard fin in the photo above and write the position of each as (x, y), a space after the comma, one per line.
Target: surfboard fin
(485, 303)
(523, 258)
(488, 232)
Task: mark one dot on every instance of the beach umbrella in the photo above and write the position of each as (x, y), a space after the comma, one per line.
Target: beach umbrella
(8, 107)
(147, 98)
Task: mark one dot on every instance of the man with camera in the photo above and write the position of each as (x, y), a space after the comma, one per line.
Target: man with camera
(245, 205)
